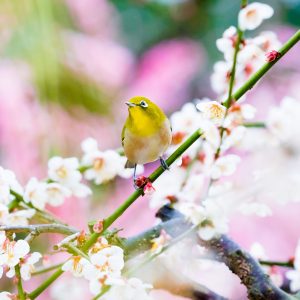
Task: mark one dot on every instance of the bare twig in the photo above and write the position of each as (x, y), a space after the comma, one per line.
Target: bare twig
(40, 228)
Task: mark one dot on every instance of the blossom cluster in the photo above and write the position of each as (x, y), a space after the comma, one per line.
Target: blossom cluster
(197, 190)
(102, 267)
(252, 51)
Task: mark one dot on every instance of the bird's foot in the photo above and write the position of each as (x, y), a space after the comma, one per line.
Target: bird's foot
(164, 164)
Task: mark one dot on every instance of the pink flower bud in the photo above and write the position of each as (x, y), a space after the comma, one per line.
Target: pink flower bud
(148, 188)
(272, 55)
(98, 226)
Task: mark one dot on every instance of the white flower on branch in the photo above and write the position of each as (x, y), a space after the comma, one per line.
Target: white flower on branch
(253, 15)
(233, 137)
(226, 44)
(8, 182)
(27, 264)
(35, 193)
(267, 41)
(20, 217)
(224, 166)
(12, 252)
(103, 165)
(212, 110)
(186, 120)
(76, 265)
(129, 289)
(65, 171)
(56, 193)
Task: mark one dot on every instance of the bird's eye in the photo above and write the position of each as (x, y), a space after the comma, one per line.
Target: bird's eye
(143, 104)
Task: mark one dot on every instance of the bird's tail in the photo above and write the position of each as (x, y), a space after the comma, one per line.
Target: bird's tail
(129, 164)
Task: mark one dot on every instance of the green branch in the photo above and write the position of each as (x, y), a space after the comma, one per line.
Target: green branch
(229, 99)
(19, 283)
(45, 284)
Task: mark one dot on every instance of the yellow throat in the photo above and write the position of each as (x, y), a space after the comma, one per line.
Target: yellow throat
(144, 121)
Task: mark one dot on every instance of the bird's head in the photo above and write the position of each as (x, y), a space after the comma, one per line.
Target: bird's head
(140, 105)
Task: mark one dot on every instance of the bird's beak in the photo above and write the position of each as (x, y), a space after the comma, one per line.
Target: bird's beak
(130, 104)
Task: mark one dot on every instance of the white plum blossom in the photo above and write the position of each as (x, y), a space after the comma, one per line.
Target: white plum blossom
(129, 289)
(213, 111)
(8, 182)
(226, 44)
(221, 76)
(19, 217)
(12, 252)
(251, 16)
(27, 265)
(76, 265)
(106, 265)
(35, 193)
(187, 120)
(103, 166)
(294, 275)
(65, 171)
(267, 41)
(224, 166)
(233, 138)
(56, 193)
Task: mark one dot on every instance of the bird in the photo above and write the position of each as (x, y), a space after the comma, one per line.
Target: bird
(146, 134)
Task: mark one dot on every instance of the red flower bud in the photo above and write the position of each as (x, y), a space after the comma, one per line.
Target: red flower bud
(141, 181)
(272, 55)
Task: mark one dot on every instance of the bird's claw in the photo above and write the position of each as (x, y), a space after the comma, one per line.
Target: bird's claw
(164, 164)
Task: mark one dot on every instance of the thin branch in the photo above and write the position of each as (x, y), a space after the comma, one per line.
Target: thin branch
(286, 264)
(40, 228)
(21, 292)
(47, 269)
(255, 125)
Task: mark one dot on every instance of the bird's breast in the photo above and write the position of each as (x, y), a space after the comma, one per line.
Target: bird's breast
(143, 149)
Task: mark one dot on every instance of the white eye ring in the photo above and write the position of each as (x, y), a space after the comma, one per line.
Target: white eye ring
(143, 104)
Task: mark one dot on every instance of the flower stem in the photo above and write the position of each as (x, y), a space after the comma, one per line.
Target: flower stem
(287, 264)
(229, 99)
(19, 284)
(135, 195)
(255, 125)
(45, 270)
(45, 284)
